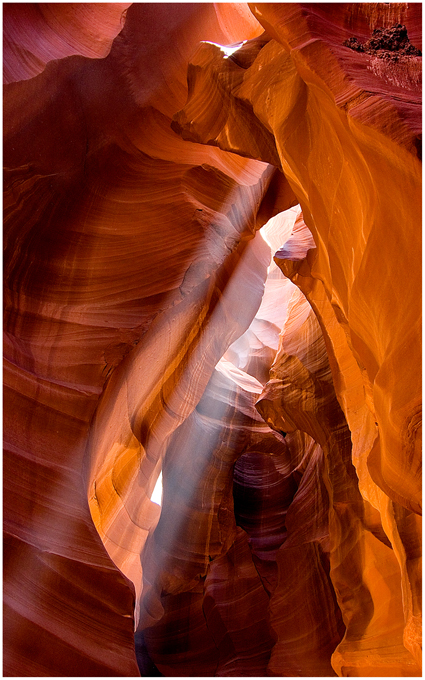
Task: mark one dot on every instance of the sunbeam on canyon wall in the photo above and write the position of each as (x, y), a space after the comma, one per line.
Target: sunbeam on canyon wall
(212, 339)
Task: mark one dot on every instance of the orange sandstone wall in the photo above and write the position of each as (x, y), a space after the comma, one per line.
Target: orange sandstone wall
(346, 126)
(147, 328)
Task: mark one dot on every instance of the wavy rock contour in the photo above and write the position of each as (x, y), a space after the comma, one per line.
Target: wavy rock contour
(211, 269)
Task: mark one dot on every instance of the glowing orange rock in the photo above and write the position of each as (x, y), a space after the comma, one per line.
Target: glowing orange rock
(336, 117)
(143, 317)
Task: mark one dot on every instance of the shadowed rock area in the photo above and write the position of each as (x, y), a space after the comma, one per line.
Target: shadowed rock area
(212, 271)
(387, 43)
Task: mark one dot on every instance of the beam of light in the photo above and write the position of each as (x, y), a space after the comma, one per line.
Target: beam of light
(144, 403)
(128, 432)
(192, 448)
(63, 494)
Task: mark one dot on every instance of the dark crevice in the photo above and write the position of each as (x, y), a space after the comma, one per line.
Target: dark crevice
(146, 666)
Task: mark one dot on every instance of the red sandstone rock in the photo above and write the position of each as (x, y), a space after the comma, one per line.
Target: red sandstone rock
(88, 266)
(145, 318)
(36, 33)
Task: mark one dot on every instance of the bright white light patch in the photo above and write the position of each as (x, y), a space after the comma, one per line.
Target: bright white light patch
(244, 380)
(157, 492)
(279, 228)
(227, 49)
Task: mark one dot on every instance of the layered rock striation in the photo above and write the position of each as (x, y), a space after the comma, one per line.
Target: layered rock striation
(212, 233)
(336, 119)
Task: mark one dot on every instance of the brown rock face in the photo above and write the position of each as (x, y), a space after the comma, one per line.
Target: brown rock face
(212, 236)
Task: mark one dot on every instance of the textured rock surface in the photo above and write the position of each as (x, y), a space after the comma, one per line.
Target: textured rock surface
(147, 327)
(337, 119)
(102, 234)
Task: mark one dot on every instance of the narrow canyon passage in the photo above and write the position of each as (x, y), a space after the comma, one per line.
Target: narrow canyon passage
(212, 278)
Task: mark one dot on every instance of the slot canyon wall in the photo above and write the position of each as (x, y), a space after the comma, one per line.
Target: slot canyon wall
(212, 269)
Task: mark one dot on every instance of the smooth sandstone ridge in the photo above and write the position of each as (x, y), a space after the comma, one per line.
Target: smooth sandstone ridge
(212, 270)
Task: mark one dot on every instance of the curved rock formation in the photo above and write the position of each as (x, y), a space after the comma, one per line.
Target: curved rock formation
(37, 33)
(336, 119)
(157, 157)
(84, 278)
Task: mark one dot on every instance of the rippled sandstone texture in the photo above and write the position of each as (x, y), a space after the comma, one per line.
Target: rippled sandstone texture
(145, 330)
